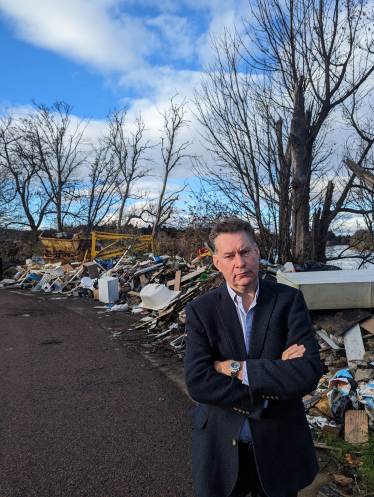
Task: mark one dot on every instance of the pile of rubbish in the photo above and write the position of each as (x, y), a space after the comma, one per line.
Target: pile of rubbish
(156, 288)
(159, 288)
(344, 399)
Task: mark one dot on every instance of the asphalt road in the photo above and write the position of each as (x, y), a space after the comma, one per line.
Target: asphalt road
(87, 416)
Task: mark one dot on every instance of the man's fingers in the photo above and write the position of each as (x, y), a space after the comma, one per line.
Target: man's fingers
(293, 352)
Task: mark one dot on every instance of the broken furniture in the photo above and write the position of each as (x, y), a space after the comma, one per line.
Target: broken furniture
(92, 269)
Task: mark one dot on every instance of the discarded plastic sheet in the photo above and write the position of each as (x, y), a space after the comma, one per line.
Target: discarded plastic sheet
(343, 373)
(119, 307)
(319, 421)
(367, 390)
(137, 310)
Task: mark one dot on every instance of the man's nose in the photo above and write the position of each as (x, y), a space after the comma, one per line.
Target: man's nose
(239, 260)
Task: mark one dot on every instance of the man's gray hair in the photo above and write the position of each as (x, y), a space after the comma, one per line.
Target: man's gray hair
(229, 225)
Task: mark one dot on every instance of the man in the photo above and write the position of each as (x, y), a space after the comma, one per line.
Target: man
(251, 356)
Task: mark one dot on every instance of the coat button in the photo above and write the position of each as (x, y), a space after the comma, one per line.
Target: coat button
(234, 441)
(247, 412)
(235, 408)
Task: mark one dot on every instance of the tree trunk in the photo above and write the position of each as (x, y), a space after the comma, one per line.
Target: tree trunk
(283, 241)
(58, 217)
(123, 202)
(300, 162)
(321, 224)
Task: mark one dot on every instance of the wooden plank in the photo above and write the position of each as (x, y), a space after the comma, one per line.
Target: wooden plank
(189, 276)
(324, 446)
(142, 278)
(67, 267)
(327, 339)
(356, 427)
(354, 346)
(177, 284)
(368, 325)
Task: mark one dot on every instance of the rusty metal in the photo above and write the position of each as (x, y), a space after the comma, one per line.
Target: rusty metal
(57, 249)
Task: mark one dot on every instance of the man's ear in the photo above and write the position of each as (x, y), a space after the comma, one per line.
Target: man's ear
(257, 250)
(216, 261)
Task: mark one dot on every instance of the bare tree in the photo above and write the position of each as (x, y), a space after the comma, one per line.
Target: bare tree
(128, 148)
(25, 200)
(172, 152)
(59, 153)
(271, 105)
(102, 192)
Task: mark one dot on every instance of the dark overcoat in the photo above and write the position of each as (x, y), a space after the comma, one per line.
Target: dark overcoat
(282, 442)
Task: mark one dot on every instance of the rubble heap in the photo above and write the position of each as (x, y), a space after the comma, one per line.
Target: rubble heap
(159, 288)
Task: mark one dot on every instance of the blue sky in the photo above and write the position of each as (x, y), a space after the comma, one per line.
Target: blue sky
(97, 54)
(101, 54)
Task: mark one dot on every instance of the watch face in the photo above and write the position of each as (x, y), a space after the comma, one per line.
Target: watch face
(234, 365)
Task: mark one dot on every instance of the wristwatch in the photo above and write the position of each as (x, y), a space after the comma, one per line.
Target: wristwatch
(234, 368)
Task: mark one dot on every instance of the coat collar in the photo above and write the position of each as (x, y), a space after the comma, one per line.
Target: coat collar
(228, 315)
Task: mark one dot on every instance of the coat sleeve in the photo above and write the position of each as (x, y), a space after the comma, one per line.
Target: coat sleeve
(293, 378)
(204, 383)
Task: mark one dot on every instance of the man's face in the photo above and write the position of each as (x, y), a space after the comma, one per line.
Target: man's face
(238, 260)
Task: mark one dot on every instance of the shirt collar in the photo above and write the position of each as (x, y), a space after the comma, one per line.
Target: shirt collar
(235, 297)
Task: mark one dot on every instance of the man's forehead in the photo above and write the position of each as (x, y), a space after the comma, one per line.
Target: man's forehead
(229, 242)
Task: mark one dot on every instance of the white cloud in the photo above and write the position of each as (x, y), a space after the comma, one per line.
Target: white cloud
(91, 32)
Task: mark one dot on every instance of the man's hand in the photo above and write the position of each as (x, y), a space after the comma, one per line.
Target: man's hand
(293, 352)
(224, 368)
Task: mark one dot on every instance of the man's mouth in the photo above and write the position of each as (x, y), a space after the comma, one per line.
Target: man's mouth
(247, 273)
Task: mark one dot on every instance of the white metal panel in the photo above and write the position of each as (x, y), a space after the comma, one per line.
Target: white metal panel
(349, 289)
(354, 345)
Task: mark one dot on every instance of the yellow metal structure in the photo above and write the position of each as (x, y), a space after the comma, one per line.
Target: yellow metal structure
(64, 249)
(137, 243)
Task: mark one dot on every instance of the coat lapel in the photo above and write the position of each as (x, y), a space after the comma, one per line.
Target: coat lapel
(261, 316)
(229, 317)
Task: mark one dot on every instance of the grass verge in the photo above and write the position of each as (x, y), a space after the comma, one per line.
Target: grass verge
(359, 458)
